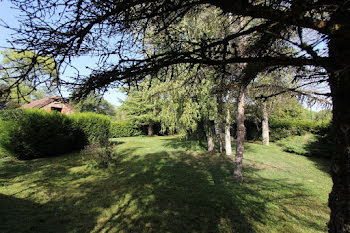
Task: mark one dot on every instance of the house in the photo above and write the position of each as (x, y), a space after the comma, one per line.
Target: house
(53, 103)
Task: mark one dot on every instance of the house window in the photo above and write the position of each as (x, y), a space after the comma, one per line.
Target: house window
(56, 109)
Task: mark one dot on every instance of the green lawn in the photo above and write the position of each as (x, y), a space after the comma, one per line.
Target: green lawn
(164, 184)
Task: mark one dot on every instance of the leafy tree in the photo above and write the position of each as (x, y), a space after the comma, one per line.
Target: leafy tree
(324, 115)
(271, 90)
(119, 115)
(94, 103)
(89, 26)
(140, 109)
(14, 65)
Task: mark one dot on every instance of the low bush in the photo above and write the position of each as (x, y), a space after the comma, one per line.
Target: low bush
(93, 128)
(98, 156)
(124, 129)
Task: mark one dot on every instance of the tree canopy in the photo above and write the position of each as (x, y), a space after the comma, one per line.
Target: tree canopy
(18, 87)
(94, 103)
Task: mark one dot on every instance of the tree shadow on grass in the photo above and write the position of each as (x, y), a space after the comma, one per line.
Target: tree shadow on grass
(157, 192)
(320, 152)
(164, 192)
(115, 142)
(188, 145)
(21, 215)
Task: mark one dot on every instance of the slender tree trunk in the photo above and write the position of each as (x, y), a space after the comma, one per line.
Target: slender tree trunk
(265, 125)
(339, 79)
(238, 168)
(218, 124)
(218, 132)
(228, 147)
(209, 134)
(150, 128)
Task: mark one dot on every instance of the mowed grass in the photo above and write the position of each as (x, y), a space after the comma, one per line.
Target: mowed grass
(165, 184)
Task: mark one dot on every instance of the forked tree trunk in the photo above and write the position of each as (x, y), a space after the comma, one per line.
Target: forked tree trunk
(150, 128)
(209, 134)
(228, 147)
(265, 125)
(238, 168)
(339, 79)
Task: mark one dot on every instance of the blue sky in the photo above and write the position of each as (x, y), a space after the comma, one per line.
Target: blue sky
(9, 16)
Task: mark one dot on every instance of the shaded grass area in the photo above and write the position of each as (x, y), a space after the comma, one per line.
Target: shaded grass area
(308, 145)
(164, 184)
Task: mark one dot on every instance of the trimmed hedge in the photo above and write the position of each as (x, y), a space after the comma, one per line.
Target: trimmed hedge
(11, 114)
(124, 129)
(95, 127)
(4, 138)
(37, 133)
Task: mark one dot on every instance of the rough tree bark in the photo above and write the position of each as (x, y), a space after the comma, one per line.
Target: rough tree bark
(238, 168)
(209, 134)
(339, 80)
(150, 128)
(228, 147)
(265, 124)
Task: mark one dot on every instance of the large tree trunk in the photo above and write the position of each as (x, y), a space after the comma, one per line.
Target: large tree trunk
(238, 168)
(150, 128)
(265, 125)
(228, 147)
(209, 134)
(339, 79)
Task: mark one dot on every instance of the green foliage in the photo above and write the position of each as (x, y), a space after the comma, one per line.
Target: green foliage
(124, 129)
(11, 114)
(284, 128)
(37, 133)
(94, 103)
(324, 115)
(291, 109)
(98, 156)
(119, 115)
(30, 133)
(14, 91)
(4, 138)
(18, 61)
(139, 108)
(95, 127)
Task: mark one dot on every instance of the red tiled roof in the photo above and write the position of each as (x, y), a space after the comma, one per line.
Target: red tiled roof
(42, 102)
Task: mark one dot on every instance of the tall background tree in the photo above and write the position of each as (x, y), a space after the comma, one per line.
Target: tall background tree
(140, 108)
(94, 103)
(15, 91)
